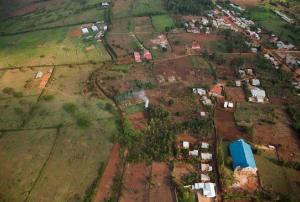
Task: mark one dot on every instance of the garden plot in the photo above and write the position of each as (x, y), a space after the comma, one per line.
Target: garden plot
(48, 48)
(22, 155)
(122, 9)
(76, 151)
(226, 126)
(181, 42)
(147, 7)
(235, 94)
(135, 182)
(225, 72)
(162, 188)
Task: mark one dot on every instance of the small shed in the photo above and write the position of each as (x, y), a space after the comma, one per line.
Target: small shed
(205, 167)
(209, 190)
(137, 57)
(255, 82)
(185, 144)
(204, 145)
(205, 178)
(95, 28)
(85, 30)
(206, 156)
(194, 153)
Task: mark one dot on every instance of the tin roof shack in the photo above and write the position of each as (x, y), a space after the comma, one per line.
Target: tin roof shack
(257, 95)
(255, 82)
(137, 57)
(205, 167)
(84, 30)
(241, 154)
(147, 55)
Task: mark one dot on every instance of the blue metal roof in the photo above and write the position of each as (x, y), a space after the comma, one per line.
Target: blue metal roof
(241, 154)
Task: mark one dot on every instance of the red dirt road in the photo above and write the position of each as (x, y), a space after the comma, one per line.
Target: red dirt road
(104, 187)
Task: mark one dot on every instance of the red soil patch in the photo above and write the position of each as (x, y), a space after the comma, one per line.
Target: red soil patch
(135, 182)
(44, 80)
(186, 137)
(225, 125)
(235, 94)
(104, 187)
(162, 189)
(24, 10)
(75, 32)
(139, 120)
(225, 72)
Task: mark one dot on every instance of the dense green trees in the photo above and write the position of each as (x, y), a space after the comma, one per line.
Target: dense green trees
(189, 7)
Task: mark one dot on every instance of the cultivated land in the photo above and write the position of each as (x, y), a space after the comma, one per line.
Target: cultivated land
(76, 124)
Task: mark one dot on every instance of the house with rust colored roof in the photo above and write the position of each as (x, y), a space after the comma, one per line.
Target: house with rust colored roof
(147, 55)
(216, 91)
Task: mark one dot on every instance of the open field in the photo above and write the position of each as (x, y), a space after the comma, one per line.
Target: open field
(147, 7)
(48, 48)
(31, 15)
(43, 164)
(275, 177)
(162, 22)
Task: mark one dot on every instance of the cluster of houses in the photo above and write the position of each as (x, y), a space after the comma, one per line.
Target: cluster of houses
(272, 60)
(96, 30)
(216, 91)
(241, 22)
(146, 55)
(205, 188)
(257, 94)
(284, 17)
(198, 26)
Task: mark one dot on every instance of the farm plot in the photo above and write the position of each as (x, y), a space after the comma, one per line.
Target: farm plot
(225, 72)
(226, 126)
(191, 70)
(147, 7)
(162, 189)
(49, 14)
(48, 48)
(182, 41)
(235, 94)
(162, 23)
(135, 182)
(76, 151)
(122, 9)
(22, 155)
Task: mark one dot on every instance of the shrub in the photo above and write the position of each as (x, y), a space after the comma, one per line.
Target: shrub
(8, 90)
(48, 97)
(82, 120)
(17, 94)
(70, 107)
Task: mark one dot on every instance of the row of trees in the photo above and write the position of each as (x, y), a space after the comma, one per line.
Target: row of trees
(189, 7)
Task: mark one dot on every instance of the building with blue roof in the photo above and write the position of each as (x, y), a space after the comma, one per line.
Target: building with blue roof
(241, 154)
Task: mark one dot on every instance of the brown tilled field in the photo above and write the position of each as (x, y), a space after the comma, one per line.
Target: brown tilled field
(161, 188)
(181, 41)
(235, 94)
(226, 127)
(135, 182)
(280, 134)
(181, 169)
(182, 69)
(139, 120)
(225, 72)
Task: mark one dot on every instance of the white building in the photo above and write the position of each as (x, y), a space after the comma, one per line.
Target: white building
(255, 82)
(205, 167)
(194, 152)
(204, 145)
(258, 93)
(185, 145)
(199, 91)
(84, 30)
(206, 156)
(95, 28)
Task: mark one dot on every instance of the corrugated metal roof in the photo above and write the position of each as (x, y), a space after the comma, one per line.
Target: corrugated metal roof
(241, 154)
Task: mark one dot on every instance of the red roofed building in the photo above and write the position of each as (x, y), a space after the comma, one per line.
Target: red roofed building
(195, 46)
(147, 55)
(216, 90)
(137, 57)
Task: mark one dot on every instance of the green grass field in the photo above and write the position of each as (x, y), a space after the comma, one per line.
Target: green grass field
(147, 7)
(54, 166)
(271, 22)
(53, 13)
(48, 47)
(161, 22)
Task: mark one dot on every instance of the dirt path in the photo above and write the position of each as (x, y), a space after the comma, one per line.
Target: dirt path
(104, 188)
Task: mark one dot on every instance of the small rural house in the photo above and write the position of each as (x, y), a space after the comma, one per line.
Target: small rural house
(147, 55)
(255, 82)
(241, 154)
(137, 57)
(206, 156)
(199, 91)
(205, 178)
(204, 145)
(85, 30)
(216, 91)
(39, 74)
(258, 94)
(208, 189)
(194, 153)
(205, 167)
(95, 28)
(185, 144)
